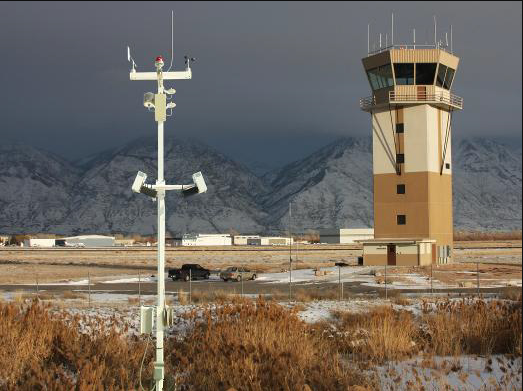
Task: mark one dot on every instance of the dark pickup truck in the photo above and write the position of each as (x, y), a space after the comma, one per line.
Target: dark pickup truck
(189, 271)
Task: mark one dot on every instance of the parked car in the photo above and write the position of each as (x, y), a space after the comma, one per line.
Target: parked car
(237, 274)
(189, 271)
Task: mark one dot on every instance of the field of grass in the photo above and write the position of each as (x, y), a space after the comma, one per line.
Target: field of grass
(252, 345)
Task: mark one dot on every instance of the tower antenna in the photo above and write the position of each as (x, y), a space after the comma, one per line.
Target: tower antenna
(451, 50)
(392, 30)
(172, 41)
(435, 25)
(368, 38)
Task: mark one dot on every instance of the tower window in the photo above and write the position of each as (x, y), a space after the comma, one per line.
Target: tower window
(380, 77)
(400, 189)
(400, 158)
(404, 73)
(400, 128)
(425, 73)
(448, 78)
(440, 79)
(401, 219)
(447, 165)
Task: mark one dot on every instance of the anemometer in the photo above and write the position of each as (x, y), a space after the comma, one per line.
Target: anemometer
(160, 102)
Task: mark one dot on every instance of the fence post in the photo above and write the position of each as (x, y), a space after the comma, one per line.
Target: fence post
(477, 276)
(190, 286)
(386, 293)
(139, 288)
(431, 288)
(37, 287)
(89, 285)
(241, 274)
(339, 283)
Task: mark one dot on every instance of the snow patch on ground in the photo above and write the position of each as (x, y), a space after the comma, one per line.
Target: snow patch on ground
(454, 373)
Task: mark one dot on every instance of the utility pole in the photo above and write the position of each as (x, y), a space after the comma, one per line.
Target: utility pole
(290, 253)
(159, 102)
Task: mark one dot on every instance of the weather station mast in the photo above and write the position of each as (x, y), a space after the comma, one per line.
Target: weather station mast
(160, 102)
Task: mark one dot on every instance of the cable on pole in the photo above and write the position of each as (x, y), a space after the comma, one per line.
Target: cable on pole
(447, 133)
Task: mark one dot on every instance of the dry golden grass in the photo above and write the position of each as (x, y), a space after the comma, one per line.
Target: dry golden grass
(73, 295)
(247, 345)
(474, 327)
(39, 351)
(453, 328)
(380, 335)
(258, 346)
(486, 236)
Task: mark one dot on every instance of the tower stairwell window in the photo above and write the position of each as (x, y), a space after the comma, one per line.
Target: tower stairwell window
(401, 219)
(400, 158)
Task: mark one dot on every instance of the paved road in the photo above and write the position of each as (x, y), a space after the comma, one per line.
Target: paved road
(249, 288)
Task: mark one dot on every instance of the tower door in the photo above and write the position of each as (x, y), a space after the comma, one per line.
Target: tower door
(422, 92)
(434, 253)
(391, 254)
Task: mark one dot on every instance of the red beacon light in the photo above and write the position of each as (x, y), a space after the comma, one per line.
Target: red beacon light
(159, 62)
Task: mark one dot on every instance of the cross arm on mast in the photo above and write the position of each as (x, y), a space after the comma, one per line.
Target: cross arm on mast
(178, 75)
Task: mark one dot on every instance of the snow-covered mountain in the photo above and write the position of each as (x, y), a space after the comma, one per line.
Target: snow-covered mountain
(333, 187)
(487, 185)
(103, 197)
(36, 189)
(330, 188)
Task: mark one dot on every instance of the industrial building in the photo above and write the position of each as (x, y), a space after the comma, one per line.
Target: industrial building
(276, 241)
(35, 242)
(89, 241)
(411, 108)
(244, 240)
(206, 240)
(345, 235)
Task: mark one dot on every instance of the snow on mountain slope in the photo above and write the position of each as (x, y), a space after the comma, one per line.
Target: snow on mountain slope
(103, 197)
(36, 189)
(333, 187)
(330, 188)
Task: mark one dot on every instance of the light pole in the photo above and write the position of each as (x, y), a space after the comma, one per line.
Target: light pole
(290, 254)
(160, 104)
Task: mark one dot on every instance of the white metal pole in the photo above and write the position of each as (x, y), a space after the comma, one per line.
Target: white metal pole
(368, 39)
(160, 199)
(392, 30)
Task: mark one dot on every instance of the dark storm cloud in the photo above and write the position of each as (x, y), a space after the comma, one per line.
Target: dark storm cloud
(272, 81)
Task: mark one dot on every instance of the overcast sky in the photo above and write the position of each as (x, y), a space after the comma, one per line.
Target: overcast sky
(272, 82)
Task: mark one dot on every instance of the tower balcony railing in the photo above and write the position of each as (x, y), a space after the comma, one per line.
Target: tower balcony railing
(412, 46)
(445, 98)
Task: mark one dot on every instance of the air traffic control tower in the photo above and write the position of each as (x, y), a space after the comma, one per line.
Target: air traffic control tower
(411, 110)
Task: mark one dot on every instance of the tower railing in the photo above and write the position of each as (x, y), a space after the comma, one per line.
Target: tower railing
(444, 97)
(409, 46)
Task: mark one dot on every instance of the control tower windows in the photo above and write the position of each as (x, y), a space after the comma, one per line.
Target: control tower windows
(445, 76)
(380, 77)
(404, 74)
(448, 78)
(425, 73)
(442, 70)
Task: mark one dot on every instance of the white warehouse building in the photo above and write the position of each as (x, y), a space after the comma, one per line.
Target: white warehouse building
(206, 240)
(90, 241)
(35, 242)
(345, 235)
